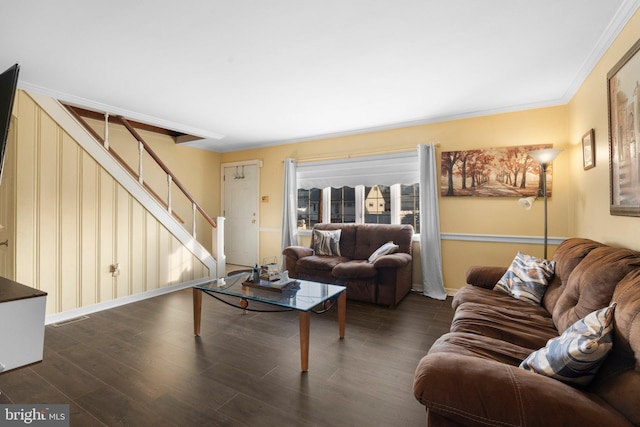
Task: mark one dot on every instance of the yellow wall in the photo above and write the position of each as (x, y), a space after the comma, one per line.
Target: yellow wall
(580, 202)
(590, 189)
(467, 215)
(73, 220)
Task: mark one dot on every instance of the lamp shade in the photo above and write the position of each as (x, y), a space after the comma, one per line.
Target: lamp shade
(526, 202)
(545, 156)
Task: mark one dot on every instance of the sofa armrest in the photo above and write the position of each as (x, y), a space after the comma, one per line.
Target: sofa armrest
(297, 252)
(291, 256)
(485, 276)
(475, 391)
(399, 259)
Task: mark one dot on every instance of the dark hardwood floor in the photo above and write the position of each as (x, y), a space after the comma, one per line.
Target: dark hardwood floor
(140, 365)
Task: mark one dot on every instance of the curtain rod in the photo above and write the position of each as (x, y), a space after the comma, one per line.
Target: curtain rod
(350, 156)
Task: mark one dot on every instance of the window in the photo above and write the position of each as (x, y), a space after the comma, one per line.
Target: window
(309, 208)
(343, 204)
(378, 204)
(410, 206)
(372, 189)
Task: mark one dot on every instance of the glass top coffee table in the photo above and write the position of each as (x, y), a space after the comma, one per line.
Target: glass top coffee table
(303, 296)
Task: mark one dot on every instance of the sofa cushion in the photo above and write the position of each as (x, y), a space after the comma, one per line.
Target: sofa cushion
(347, 236)
(527, 278)
(472, 391)
(480, 295)
(355, 269)
(387, 248)
(567, 256)
(513, 324)
(326, 242)
(621, 370)
(370, 237)
(488, 348)
(591, 284)
(575, 356)
(321, 263)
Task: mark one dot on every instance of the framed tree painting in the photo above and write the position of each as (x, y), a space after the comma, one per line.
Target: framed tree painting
(624, 134)
(497, 172)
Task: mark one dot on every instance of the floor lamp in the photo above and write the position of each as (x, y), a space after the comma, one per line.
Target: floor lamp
(544, 158)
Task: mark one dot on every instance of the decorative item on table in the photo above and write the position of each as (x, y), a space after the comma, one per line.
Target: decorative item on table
(269, 270)
(280, 285)
(255, 274)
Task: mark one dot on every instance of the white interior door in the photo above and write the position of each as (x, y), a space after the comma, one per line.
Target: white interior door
(240, 207)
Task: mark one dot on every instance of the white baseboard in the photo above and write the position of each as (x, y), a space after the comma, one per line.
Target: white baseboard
(84, 311)
(449, 291)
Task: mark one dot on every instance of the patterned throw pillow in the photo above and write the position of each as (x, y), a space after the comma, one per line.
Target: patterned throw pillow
(387, 248)
(527, 278)
(326, 242)
(575, 356)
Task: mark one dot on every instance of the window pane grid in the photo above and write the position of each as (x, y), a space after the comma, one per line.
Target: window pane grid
(377, 204)
(410, 206)
(309, 208)
(343, 205)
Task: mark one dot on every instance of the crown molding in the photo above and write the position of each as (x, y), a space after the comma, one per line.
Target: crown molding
(98, 106)
(627, 9)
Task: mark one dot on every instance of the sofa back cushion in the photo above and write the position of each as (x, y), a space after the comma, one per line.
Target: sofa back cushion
(567, 256)
(370, 237)
(618, 380)
(347, 237)
(359, 241)
(591, 284)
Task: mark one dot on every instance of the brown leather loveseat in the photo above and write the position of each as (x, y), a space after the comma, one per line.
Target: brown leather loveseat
(384, 281)
(471, 375)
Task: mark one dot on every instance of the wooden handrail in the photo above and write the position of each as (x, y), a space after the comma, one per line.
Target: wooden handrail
(144, 184)
(84, 124)
(148, 149)
(164, 167)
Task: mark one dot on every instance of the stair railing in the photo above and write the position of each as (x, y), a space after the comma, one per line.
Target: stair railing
(143, 148)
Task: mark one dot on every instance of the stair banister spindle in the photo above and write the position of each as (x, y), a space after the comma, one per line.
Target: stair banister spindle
(106, 131)
(141, 150)
(195, 210)
(169, 181)
(164, 167)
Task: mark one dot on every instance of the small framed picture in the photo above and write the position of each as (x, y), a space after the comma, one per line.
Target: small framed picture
(589, 150)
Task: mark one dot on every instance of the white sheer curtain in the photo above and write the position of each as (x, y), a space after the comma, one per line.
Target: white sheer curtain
(430, 249)
(289, 205)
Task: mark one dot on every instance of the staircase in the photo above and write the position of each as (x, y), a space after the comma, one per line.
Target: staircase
(134, 182)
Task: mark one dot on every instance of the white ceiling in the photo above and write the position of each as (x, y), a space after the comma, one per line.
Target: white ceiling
(248, 73)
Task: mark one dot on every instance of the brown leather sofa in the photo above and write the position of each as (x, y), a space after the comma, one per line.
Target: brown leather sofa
(470, 376)
(385, 281)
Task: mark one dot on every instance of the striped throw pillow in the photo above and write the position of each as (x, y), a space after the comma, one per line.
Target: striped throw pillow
(527, 278)
(387, 248)
(326, 242)
(575, 356)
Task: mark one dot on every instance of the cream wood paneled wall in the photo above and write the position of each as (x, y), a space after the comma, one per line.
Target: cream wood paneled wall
(73, 221)
(196, 169)
(7, 194)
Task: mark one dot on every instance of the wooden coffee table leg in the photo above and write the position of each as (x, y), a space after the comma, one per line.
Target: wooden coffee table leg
(342, 312)
(197, 311)
(305, 323)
